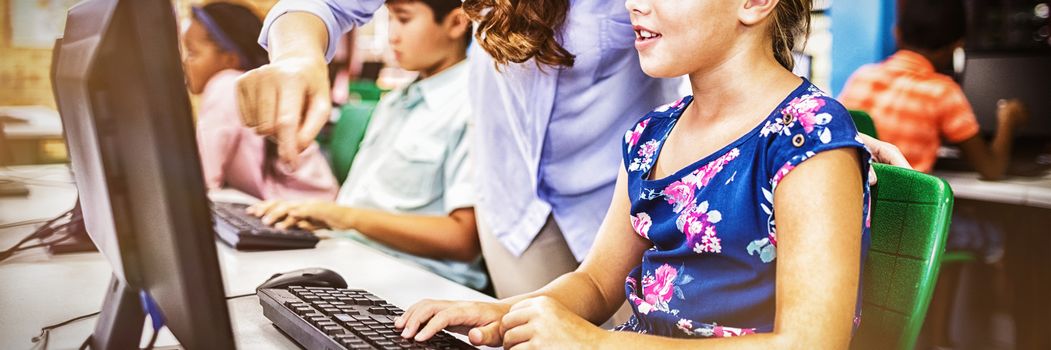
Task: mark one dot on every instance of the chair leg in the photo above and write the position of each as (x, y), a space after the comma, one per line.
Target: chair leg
(939, 315)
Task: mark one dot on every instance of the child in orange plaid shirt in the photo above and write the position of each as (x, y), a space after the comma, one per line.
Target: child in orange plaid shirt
(915, 107)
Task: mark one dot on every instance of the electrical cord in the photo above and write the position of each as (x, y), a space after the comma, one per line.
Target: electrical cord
(42, 232)
(23, 223)
(45, 332)
(153, 339)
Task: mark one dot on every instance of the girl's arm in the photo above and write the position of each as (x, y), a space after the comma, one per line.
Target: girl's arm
(819, 220)
(593, 292)
(434, 236)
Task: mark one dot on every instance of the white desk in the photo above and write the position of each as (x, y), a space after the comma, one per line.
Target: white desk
(40, 122)
(37, 290)
(1024, 191)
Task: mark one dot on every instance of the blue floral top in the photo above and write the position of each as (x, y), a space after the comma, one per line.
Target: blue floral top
(712, 267)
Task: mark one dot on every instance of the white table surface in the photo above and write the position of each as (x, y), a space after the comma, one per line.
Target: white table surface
(1025, 191)
(37, 289)
(41, 122)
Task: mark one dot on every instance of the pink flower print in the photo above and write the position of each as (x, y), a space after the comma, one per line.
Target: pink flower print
(698, 224)
(780, 174)
(641, 223)
(680, 195)
(804, 105)
(810, 120)
(660, 288)
(648, 149)
(868, 213)
(708, 171)
(665, 107)
(632, 137)
(709, 242)
(725, 332)
(685, 325)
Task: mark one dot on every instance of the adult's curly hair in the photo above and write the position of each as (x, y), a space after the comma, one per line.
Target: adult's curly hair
(519, 30)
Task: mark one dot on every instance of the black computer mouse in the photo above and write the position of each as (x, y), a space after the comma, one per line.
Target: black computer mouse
(309, 277)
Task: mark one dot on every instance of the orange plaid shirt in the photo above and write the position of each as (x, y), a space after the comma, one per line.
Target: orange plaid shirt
(913, 106)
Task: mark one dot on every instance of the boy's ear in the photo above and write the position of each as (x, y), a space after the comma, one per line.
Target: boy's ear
(753, 12)
(457, 23)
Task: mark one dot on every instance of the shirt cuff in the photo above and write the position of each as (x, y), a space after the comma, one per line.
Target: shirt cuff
(317, 8)
(459, 197)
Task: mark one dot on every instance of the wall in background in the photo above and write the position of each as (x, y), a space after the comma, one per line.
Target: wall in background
(24, 72)
(862, 33)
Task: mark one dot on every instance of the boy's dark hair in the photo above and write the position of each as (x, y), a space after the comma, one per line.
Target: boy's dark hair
(441, 9)
(931, 24)
(242, 26)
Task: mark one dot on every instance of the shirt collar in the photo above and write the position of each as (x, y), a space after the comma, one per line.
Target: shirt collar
(443, 87)
(910, 61)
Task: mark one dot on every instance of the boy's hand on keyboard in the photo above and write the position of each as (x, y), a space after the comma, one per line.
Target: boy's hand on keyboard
(480, 320)
(544, 323)
(308, 215)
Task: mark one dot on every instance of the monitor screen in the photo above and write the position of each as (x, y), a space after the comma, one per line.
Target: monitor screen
(120, 90)
(989, 77)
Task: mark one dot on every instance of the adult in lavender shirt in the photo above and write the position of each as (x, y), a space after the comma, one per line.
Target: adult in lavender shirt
(553, 92)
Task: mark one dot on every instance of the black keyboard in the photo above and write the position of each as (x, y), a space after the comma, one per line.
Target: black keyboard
(246, 232)
(331, 318)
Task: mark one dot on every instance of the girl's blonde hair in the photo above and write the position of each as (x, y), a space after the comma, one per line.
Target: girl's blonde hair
(518, 30)
(791, 20)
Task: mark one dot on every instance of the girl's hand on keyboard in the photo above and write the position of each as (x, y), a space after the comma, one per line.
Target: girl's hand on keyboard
(480, 320)
(544, 323)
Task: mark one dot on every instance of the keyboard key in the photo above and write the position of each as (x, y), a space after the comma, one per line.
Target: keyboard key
(383, 319)
(379, 311)
(343, 317)
(332, 330)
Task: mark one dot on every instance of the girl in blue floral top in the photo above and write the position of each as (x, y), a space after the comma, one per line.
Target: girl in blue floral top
(741, 210)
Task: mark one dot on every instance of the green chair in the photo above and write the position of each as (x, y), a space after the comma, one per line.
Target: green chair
(910, 221)
(864, 123)
(346, 136)
(364, 90)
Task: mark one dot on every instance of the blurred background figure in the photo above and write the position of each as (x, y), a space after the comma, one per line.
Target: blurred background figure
(219, 45)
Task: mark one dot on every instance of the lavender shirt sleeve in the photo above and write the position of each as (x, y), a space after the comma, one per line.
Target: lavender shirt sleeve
(340, 16)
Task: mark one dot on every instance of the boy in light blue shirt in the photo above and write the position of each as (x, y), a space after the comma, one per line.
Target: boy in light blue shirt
(410, 191)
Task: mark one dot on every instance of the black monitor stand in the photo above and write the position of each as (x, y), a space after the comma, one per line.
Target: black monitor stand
(121, 312)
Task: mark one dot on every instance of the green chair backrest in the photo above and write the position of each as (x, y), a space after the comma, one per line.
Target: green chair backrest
(910, 220)
(346, 136)
(365, 91)
(863, 121)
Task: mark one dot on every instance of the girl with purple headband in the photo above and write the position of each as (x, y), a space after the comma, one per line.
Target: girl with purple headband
(219, 45)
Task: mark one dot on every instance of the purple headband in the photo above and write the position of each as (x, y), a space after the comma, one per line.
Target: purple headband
(218, 35)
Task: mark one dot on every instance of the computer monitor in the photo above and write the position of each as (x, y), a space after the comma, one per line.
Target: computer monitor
(120, 90)
(990, 76)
